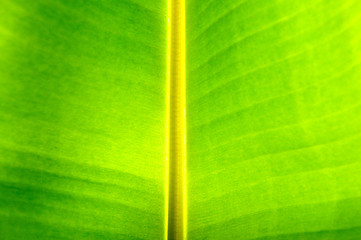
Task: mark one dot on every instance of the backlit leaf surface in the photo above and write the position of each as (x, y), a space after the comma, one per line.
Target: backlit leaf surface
(274, 119)
(82, 114)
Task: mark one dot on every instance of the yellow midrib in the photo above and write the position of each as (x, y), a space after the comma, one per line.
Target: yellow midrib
(176, 187)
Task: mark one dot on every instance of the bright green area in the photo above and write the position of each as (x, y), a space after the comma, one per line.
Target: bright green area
(274, 119)
(82, 114)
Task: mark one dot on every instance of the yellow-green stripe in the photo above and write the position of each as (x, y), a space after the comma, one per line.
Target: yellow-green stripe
(176, 121)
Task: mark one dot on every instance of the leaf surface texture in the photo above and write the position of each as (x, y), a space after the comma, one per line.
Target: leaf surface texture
(273, 119)
(82, 119)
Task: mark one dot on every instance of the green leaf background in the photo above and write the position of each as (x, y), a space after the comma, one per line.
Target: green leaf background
(82, 119)
(274, 104)
(273, 119)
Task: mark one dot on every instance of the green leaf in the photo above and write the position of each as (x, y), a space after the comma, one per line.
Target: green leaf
(82, 114)
(273, 119)
(274, 113)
